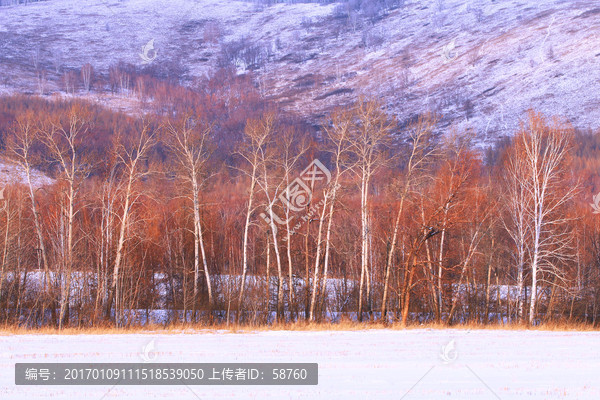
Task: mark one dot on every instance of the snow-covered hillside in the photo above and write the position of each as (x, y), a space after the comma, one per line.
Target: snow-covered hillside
(480, 63)
(373, 364)
(11, 173)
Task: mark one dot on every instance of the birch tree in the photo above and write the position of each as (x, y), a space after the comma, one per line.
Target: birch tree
(131, 154)
(293, 149)
(256, 137)
(516, 224)
(370, 138)
(87, 73)
(338, 135)
(538, 162)
(271, 188)
(105, 241)
(189, 140)
(20, 149)
(64, 136)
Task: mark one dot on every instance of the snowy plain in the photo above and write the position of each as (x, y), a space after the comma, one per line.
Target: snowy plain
(369, 364)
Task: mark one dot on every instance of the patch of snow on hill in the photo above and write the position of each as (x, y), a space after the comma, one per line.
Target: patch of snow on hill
(11, 174)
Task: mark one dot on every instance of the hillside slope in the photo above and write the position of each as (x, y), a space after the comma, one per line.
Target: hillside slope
(481, 64)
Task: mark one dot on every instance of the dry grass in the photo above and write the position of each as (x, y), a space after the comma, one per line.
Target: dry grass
(302, 326)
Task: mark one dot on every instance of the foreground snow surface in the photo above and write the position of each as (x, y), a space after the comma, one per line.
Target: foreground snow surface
(372, 364)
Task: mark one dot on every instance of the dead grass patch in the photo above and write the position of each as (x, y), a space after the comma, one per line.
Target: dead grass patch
(300, 326)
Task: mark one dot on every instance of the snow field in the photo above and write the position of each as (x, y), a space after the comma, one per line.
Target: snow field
(370, 364)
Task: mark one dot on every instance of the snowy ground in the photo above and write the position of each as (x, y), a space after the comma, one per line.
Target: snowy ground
(375, 364)
(11, 173)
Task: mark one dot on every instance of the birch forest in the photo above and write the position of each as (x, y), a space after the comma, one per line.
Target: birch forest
(214, 207)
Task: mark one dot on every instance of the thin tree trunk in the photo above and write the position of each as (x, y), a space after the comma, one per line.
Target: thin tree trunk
(279, 269)
(245, 245)
(390, 258)
(317, 262)
(291, 306)
(200, 251)
(364, 239)
(119, 251)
